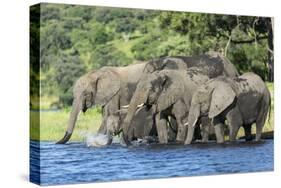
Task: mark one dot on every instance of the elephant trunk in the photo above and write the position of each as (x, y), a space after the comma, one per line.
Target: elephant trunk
(137, 99)
(189, 134)
(194, 113)
(76, 108)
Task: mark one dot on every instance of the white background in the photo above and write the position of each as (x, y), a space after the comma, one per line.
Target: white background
(14, 91)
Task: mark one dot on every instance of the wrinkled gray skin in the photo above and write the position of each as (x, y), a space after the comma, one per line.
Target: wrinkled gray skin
(212, 65)
(111, 88)
(241, 101)
(142, 124)
(167, 93)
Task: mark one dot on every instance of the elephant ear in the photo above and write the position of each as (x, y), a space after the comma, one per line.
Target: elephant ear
(107, 85)
(222, 96)
(171, 92)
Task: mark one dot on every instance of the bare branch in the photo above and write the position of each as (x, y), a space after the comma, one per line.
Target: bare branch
(255, 35)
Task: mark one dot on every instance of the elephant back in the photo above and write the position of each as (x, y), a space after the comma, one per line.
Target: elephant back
(250, 82)
(229, 69)
(212, 64)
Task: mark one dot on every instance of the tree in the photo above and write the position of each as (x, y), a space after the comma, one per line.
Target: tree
(227, 30)
(67, 70)
(108, 55)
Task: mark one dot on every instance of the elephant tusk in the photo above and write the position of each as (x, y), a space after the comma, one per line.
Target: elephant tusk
(186, 124)
(121, 111)
(140, 105)
(126, 106)
(194, 123)
(139, 109)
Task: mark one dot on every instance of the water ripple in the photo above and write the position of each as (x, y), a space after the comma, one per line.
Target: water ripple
(76, 163)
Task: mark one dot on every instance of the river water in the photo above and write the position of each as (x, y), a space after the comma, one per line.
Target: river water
(77, 163)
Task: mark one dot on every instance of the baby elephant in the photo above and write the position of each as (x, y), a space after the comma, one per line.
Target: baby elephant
(241, 101)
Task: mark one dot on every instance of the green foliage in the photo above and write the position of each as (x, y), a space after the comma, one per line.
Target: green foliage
(34, 51)
(67, 70)
(99, 35)
(146, 48)
(175, 46)
(76, 39)
(242, 38)
(247, 59)
(50, 12)
(158, 45)
(108, 55)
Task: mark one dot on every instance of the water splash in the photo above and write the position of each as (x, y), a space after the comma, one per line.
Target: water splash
(96, 140)
(101, 140)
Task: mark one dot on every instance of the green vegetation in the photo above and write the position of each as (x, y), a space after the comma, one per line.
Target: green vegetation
(76, 39)
(54, 123)
(70, 40)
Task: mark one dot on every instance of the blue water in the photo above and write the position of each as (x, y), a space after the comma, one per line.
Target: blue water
(76, 163)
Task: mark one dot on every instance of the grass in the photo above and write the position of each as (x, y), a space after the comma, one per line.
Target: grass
(54, 123)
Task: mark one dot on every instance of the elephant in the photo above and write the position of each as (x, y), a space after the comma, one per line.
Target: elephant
(139, 129)
(211, 64)
(167, 93)
(241, 101)
(93, 89)
(110, 88)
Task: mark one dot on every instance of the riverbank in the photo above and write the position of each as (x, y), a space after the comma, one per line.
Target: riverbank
(53, 123)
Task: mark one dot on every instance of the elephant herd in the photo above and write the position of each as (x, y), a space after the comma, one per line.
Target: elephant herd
(173, 99)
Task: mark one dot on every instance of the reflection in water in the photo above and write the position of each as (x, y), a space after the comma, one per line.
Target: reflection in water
(77, 163)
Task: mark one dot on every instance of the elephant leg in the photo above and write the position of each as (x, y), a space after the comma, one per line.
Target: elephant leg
(172, 132)
(180, 112)
(258, 132)
(161, 125)
(235, 121)
(190, 133)
(259, 128)
(197, 133)
(233, 131)
(205, 129)
(107, 110)
(248, 132)
(102, 128)
(260, 122)
(219, 129)
(205, 133)
(181, 134)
